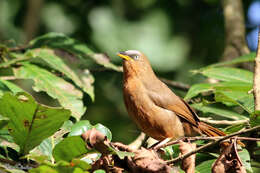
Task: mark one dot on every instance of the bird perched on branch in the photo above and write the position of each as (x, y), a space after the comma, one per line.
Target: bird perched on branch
(156, 110)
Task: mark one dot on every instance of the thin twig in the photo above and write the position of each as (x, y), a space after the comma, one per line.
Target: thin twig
(212, 143)
(223, 122)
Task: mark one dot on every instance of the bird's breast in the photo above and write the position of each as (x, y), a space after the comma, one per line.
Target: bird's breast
(155, 121)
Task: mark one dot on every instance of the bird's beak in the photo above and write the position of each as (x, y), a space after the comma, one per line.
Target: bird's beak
(123, 56)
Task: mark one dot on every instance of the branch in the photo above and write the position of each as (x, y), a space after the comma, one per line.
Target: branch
(257, 76)
(223, 122)
(212, 143)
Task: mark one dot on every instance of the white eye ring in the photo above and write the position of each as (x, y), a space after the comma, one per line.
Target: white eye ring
(136, 57)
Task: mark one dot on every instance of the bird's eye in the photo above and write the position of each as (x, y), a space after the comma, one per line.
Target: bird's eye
(136, 57)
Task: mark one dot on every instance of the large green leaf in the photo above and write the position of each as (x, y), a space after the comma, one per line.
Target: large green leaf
(197, 89)
(59, 40)
(9, 86)
(54, 60)
(244, 58)
(221, 86)
(67, 95)
(30, 123)
(242, 99)
(228, 74)
(69, 148)
(219, 110)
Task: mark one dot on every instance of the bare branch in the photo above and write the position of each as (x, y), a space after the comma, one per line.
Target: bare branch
(212, 143)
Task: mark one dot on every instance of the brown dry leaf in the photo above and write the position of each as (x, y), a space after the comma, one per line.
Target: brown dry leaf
(188, 164)
(229, 161)
(148, 161)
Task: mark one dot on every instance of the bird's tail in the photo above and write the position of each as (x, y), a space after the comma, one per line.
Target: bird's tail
(214, 132)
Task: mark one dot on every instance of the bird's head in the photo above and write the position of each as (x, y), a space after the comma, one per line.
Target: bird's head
(135, 62)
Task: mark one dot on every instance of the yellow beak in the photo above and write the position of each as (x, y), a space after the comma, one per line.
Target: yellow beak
(123, 56)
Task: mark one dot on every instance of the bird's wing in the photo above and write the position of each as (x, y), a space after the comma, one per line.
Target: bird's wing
(168, 100)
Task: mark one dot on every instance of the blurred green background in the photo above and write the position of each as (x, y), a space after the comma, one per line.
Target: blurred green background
(177, 36)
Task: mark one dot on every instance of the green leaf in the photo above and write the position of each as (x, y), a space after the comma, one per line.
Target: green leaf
(234, 128)
(67, 95)
(30, 123)
(80, 127)
(228, 74)
(221, 86)
(76, 166)
(11, 86)
(219, 110)
(197, 89)
(205, 167)
(104, 130)
(245, 157)
(99, 171)
(61, 41)
(3, 121)
(244, 58)
(122, 154)
(69, 148)
(242, 99)
(54, 60)
(84, 125)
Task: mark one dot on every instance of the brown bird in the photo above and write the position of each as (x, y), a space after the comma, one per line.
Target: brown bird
(156, 110)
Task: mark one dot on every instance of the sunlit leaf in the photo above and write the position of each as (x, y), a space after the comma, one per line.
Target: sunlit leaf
(244, 58)
(69, 148)
(30, 123)
(67, 95)
(54, 60)
(245, 157)
(228, 74)
(219, 110)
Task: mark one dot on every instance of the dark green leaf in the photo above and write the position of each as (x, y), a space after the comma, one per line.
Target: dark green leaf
(69, 148)
(205, 167)
(234, 128)
(59, 40)
(67, 95)
(255, 118)
(29, 120)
